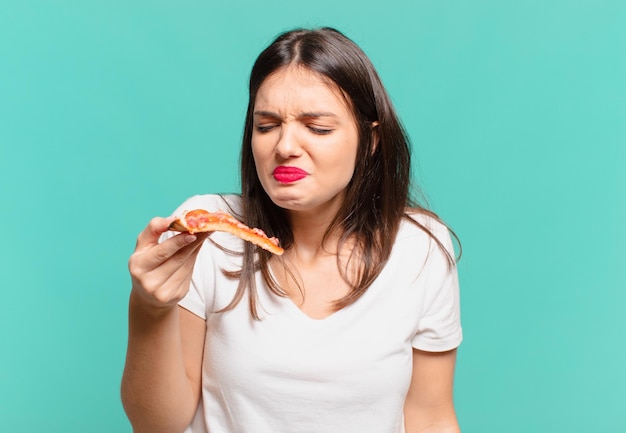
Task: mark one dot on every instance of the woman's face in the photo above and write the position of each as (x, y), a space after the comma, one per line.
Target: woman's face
(304, 141)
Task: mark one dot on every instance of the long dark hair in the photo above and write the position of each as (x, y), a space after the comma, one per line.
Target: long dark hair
(377, 197)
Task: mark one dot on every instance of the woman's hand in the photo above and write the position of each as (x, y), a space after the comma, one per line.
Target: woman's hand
(161, 272)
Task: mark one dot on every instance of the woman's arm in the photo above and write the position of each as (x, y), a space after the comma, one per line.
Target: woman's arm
(161, 381)
(429, 406)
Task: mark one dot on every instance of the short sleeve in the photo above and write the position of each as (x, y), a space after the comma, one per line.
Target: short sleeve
(196, 300)
(439, 328)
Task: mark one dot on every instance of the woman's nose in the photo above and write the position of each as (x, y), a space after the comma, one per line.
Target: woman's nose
(288, 145)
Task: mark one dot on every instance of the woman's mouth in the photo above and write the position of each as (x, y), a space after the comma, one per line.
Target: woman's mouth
(287, 174)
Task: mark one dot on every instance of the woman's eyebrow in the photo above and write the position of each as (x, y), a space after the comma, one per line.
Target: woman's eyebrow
(316, 114)
(265, 114)
(306, 115)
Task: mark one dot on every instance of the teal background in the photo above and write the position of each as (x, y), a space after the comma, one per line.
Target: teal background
(112, 112)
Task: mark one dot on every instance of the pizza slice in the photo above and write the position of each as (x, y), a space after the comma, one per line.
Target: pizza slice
(200, 220)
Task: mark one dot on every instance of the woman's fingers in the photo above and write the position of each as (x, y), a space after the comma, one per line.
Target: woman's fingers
(152, 232)
(151, 252)
(161, 272)
(174, 249)
(178, 280)
(158, 264)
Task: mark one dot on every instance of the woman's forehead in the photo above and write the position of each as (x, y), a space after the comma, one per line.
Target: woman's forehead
(299, 85)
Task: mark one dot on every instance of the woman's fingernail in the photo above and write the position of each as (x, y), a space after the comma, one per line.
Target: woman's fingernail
(190, 238)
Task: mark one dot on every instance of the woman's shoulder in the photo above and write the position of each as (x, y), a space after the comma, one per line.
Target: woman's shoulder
(422, 227)
(423, 221)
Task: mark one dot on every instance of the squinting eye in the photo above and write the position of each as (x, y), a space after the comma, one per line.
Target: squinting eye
(264, 128)
(320, 131)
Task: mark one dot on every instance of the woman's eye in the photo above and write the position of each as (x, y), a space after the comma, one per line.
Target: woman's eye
(319, 131)
(265, 128)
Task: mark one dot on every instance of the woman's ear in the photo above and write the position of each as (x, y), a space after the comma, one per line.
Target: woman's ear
(375, 136)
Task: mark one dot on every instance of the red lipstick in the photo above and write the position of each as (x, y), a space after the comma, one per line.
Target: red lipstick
(287, 174)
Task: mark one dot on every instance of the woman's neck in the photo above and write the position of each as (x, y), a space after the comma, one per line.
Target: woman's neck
(310, 236)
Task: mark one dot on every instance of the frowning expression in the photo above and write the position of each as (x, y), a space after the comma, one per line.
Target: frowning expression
(304, 140)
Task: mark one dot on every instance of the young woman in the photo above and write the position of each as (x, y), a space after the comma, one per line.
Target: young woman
(355, 327)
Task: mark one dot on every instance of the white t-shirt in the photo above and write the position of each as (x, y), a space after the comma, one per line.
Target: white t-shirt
(347, 373)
